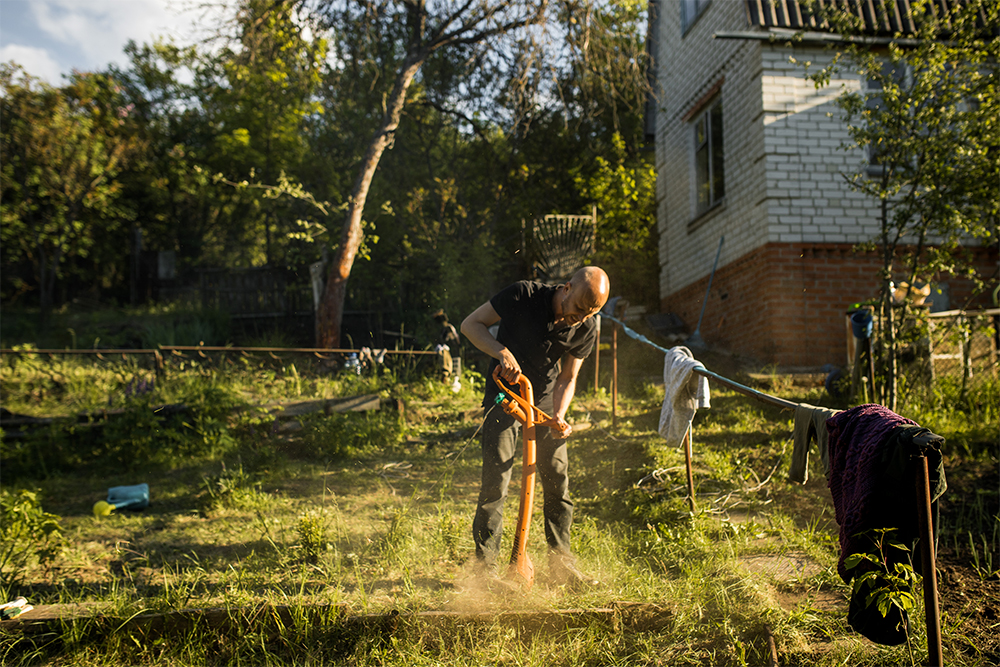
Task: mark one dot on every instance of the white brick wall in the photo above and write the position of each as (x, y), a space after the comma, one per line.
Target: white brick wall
(807, 191)
(688, 69)
(783, 148)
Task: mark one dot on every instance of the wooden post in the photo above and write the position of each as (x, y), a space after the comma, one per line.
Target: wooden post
(597, 356)
(688, 453)
(928, 564)
(161, 370)
(857, 378)
(871, 368)
(614, 377)
(619, 307)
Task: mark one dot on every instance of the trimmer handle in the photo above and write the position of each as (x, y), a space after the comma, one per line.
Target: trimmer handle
(519, 405)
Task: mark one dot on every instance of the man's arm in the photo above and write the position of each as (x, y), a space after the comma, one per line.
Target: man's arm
(476, 328)
(563, 391)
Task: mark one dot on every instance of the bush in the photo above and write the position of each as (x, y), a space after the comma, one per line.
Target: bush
(26, 533)
(136, 437)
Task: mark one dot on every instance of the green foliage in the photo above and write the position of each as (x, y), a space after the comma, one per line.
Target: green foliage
(623, 186)
(925, 118)
(127, 426)
(28, 534)
(40, 453)
(886, 580)
(383, 548)
(37, 385)
(253, 161)
(140, 327)
(137, 437)
(62, 151)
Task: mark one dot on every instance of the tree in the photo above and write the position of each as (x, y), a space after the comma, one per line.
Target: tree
(928, 118)
(625, 188)
(427, 30)
(62, 150)
(539, 87)
(221, 181)
(267, 90)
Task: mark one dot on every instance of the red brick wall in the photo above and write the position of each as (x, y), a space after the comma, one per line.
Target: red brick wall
(785, 303)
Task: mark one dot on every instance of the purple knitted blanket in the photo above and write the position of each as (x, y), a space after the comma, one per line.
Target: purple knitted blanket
(856, 438)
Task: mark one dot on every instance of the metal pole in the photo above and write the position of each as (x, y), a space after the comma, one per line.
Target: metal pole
(695, 341)
(928, 562)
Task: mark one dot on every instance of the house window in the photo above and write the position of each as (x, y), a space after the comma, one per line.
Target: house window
(708, 158)
(690, 11)
(900, 75)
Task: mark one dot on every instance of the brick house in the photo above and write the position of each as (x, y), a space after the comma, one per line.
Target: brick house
(747, 149)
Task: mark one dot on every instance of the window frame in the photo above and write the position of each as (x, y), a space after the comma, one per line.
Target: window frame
(710, 172)
(691, 11)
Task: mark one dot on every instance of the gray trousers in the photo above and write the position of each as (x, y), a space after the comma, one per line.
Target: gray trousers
(502, 443)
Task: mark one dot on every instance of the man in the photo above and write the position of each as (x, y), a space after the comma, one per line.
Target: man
(449, 341)
(545, 332)
(447, 334)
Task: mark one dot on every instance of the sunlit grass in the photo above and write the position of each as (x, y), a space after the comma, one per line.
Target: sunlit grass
(362, 515)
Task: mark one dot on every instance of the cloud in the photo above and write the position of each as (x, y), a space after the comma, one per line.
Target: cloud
(92, 33)
(37, 62)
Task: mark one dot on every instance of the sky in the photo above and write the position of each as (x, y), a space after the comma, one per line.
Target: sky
(50, 38)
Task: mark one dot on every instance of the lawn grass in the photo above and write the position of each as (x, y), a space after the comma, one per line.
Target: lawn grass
(359, 524)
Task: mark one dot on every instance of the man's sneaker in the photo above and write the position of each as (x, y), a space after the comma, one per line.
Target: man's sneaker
(564, 572)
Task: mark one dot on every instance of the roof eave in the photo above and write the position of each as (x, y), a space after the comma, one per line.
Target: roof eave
(811, 37)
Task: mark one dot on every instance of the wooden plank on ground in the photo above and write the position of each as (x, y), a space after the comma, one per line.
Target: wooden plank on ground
(272, 619)
(362, 403)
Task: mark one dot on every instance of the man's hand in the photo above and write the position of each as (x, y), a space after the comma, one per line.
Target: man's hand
(562, 429)
(510, 370)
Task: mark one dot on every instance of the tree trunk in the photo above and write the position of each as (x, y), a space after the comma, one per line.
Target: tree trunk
(44, 293)
(889, 368)
(331, 306)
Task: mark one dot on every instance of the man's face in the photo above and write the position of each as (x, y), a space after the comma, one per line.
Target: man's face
(573, 306)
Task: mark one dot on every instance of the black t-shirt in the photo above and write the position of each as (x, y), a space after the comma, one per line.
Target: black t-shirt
(528, 331)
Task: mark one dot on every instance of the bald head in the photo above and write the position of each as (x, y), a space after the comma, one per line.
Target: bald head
(582, 297)
(593, 284)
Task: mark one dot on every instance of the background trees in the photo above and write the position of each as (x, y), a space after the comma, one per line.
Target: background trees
(62, 151)
(286, 143)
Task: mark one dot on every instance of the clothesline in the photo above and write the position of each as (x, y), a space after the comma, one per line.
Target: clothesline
(848, 498)
(743, 389)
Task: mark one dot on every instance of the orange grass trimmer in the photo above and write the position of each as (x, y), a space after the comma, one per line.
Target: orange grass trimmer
(521, 408)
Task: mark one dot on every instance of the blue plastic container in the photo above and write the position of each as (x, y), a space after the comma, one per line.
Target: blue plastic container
(135, 497)
(861, 323)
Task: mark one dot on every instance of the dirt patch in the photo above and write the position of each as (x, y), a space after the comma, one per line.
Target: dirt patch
(824, 601)
(784, 567)
(971, 605)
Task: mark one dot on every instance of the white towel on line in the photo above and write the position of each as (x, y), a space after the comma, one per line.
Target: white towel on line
(684, 393)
